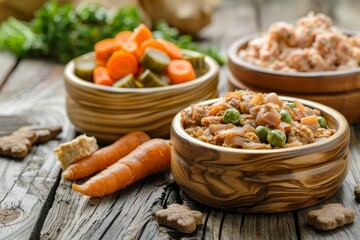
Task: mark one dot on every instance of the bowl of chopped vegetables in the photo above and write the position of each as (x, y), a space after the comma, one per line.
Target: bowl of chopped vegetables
(135, 82)
(311, 59)
(253, 152)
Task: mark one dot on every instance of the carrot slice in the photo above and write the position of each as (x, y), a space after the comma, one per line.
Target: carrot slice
(180, 71)
(123, 36)
(153, 43)
(310, 121)
(141, 34)
(121, 63)
(102, 76)
(130, 47)
(173, 51)
(104, 48)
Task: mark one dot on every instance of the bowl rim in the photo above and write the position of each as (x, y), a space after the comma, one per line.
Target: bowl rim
(339, 118)
(233, 56)
(213, 70)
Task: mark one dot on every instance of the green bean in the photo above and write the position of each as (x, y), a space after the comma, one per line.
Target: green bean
(262, 133)
(231, 115)
(276, 138)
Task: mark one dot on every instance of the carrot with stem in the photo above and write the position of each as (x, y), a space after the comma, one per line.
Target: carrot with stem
(180, 71)
(101, 76)
(150, 157)
(106, 156)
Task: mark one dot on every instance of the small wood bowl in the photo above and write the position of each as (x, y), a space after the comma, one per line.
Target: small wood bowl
(261, 181)
(108, 112)
(299, 82)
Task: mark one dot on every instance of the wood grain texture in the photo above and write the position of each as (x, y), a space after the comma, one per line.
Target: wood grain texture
(7, 64)
(108, 113)
(114, 216)
(345, 196)
(261, 181)
(294, 82)
(33, 94)
(127, 214)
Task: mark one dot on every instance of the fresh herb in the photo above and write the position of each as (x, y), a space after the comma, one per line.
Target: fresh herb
(164, 31)
(64, 32)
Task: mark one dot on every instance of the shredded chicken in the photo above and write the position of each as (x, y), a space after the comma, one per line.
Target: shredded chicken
(206, 123)
(312, 45)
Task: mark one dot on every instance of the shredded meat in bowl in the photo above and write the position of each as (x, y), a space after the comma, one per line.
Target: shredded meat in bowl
(297, 124)
(313, 44)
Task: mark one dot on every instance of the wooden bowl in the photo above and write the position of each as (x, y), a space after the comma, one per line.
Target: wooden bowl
(108, 112)
(346, 103)
(298, 82)
(261, 181)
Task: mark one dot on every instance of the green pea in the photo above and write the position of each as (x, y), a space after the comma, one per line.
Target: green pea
(231, 115)
(262, 133)
(276, 138)
(285, 116)
(290, 105)
(322, 122)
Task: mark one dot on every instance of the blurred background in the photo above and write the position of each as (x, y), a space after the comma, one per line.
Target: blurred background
(344, 13)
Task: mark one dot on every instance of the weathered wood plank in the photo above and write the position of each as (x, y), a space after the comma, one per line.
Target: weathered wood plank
(127, 214)
(345, 196)
(7, 64)
(34, 93)
(274, 226)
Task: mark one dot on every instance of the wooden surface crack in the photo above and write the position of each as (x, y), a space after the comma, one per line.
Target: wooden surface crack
(35, 234)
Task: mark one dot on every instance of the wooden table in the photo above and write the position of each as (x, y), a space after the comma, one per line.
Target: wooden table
(36, 202)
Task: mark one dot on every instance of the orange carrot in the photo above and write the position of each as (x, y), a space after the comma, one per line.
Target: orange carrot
(150, 157)
(173, 51)
(310, 121)
(130, 47)
(123, 36)
(122, 63)
(102, 76)
(153, 43)
(104, 48)
(141, 34)
(106, 156)
(180, 71)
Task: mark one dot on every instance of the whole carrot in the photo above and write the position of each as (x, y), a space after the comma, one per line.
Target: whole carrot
(106, 156)
(150, 157)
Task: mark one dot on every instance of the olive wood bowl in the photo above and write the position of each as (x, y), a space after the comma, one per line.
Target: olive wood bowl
(261, 181)
(108, 112)
(298, 82)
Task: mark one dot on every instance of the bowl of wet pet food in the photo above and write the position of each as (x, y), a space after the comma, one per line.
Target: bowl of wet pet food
(311, 59)
(253, 152)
